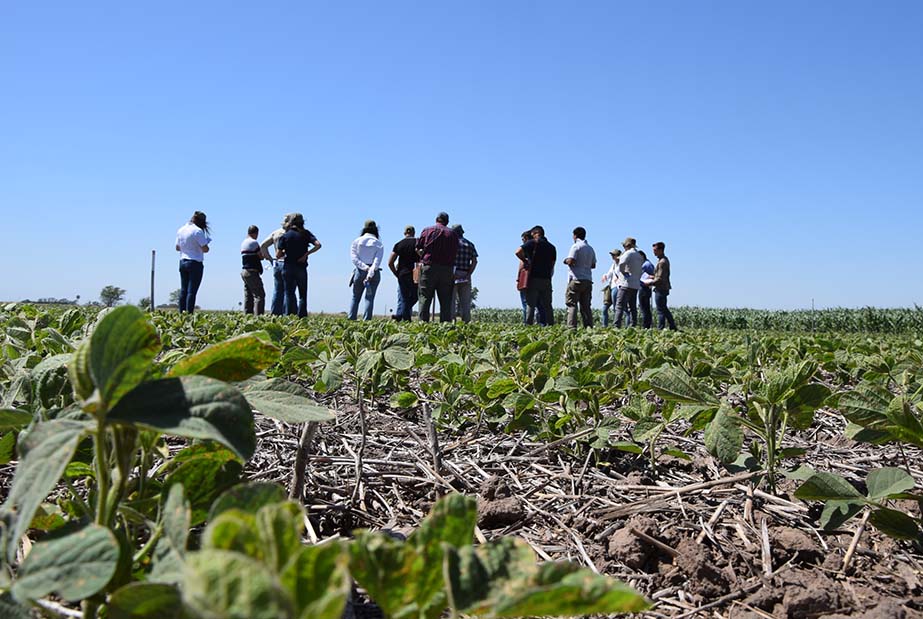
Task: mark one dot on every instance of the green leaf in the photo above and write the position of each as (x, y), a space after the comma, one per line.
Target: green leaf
(887, 481)
(671, 383)
(286, 401)
(204, 470)
(903, 424)
(224, 584)
(236, 531)
(895, 524)
(501, 387)
(79, 371)
(280, 527)
(177, 518)
(122, 347)
(233, 360)
(827, 487)
(398, 358)
(331, 377)
(518, 402)
(11, 609)
(865, 435)
(627, 447)
(143, 600)
(192, 406)
(7, 447)
(318, 579)
(804, 402)
(724, 435)
(74, 566)
(248, 497)
(866, 405)
(501, 579)
(836, 513)
(531, 349)
(14, 419)
(404, 399)
(368, 362)
(47, 449)
(405, 578)
(646, 429)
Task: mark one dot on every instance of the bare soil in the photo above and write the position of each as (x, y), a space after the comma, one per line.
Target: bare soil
(697, 549)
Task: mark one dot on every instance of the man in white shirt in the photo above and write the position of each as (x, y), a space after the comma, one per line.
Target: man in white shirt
(581, 260)
(627, 300)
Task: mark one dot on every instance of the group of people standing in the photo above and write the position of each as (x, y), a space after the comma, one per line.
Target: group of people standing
(439, 265)
(632, 277)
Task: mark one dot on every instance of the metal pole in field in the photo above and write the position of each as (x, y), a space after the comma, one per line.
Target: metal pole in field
(153, 255)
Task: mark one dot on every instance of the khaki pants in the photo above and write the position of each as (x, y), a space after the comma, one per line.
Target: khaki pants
(254, 294)
(579, 293)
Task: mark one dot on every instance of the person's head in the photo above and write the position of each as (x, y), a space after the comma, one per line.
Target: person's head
(537, 232)
(629, 242)
(526, 235)
(253, 231)
(198, 219)
(615, 253)
(409, 231)
(442, 218)
(580, 233)
(643, 255)
(286, 219)
(370, 227)
(658, 248)
(457, 229)
(295, 222)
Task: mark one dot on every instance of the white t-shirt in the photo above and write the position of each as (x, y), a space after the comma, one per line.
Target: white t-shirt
(630, 265)
(191, 239)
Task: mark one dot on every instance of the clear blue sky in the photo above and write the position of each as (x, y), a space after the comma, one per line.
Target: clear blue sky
(776, 147)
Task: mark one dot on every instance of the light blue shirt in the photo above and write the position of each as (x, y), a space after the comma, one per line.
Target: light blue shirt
(630, 264)
(584, 259)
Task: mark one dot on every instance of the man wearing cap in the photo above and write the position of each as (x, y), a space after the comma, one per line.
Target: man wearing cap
(437, 247)
(581, 260)
(404, 254)
(661, 285)
(627, 299)
(252, 273)
(538, 256)
(278, 281)
(466, 260)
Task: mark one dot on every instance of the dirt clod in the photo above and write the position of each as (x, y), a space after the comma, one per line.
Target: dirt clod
(499, 513)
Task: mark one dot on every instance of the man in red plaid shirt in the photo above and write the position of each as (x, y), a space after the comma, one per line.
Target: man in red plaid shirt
(437, 246)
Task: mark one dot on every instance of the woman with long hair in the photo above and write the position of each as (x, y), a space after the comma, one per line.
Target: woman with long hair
(366, 254)
(192, 241)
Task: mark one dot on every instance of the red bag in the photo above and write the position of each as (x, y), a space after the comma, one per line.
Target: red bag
(522, 278)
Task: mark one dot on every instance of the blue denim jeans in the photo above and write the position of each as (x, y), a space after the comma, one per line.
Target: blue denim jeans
(406, 296)
(190, 277)
(358, 288)
(664, 315)
(296, 276)
(278, 289)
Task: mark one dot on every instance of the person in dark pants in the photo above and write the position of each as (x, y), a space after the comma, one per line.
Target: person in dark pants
(252, 273)
(644, 293)
(661, 285)
(404, 254)
(437, 247)
(294, 247)
(539, 257)
(192, 242)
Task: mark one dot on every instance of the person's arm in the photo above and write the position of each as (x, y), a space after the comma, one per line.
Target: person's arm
(391, 265)
(376, 261)
(354, 256)
(474, 264)
(521, 254)
(316, 247)
(205, 249)
(264, 248)
(571, 255)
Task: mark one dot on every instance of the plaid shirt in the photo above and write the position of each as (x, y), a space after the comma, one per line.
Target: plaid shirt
(466, 253)
(438, 244)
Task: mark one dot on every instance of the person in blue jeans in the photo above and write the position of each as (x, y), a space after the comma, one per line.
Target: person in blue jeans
(660, 282)
(294, 247)
(366, 253)
(644, 292)
(192, 241)
(277, 306)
